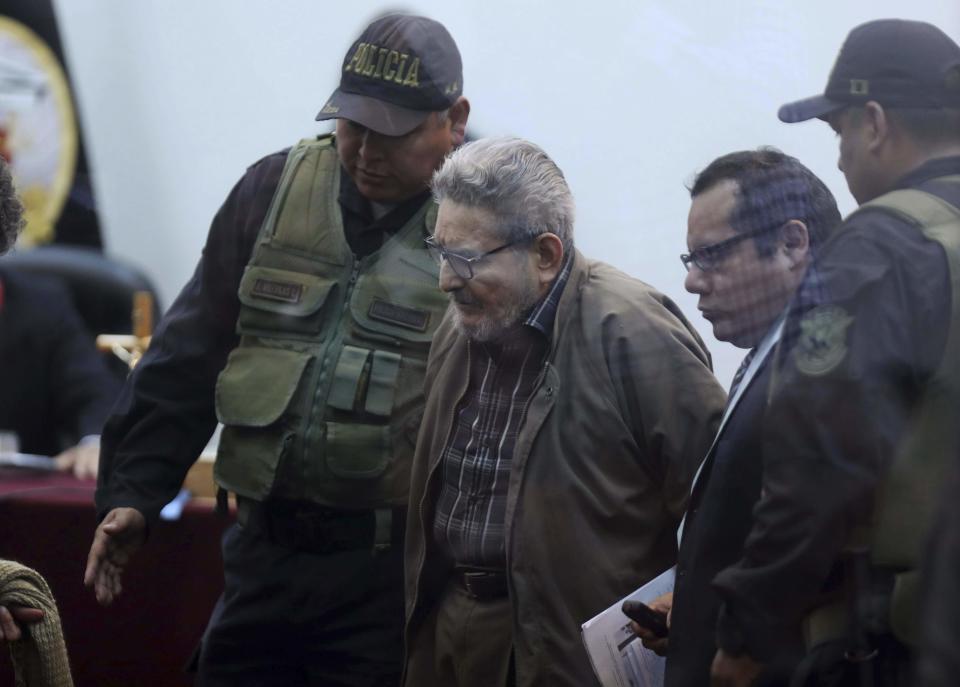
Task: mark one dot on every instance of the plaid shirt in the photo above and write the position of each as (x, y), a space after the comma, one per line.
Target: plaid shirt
(470, 513)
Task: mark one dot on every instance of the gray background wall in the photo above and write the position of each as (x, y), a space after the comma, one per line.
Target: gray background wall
(630, 98)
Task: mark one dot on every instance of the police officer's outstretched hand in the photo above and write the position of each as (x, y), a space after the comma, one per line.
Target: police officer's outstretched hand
(117, 538)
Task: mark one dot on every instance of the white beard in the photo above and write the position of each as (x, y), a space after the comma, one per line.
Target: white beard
(491, 328)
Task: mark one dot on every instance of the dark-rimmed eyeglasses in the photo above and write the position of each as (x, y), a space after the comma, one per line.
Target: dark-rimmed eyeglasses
(461, 265)
(708, 258)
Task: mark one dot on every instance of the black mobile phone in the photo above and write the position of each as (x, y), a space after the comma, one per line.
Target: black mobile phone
(655, 621)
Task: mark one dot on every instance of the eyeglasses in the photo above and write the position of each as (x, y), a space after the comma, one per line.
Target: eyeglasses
(708, 258)
(463, 266)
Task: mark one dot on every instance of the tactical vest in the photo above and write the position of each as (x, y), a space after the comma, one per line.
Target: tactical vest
(910, 489)
(322, 398)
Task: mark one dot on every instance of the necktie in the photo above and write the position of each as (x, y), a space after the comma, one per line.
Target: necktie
(742, 370)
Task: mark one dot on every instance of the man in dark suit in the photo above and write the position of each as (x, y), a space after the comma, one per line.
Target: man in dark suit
(755, 220)
(57, 390)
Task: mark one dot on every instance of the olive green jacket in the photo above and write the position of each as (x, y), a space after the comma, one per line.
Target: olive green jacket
(625, 410)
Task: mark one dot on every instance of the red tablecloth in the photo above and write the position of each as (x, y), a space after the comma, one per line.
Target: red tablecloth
(147, 636)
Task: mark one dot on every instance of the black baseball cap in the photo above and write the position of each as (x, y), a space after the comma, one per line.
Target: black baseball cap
(897, 63)
(402, 68)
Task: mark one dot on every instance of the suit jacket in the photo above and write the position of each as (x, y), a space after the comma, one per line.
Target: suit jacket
(719, 517)
(54, 385)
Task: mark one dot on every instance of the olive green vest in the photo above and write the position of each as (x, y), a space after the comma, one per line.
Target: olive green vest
(322, 399)
(911, 488)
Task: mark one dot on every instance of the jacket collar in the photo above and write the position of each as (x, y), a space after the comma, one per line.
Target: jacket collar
(931, 169)
(577, 278)
(544, 313)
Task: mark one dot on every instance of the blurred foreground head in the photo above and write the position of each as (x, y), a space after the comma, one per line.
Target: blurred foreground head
(11, 210)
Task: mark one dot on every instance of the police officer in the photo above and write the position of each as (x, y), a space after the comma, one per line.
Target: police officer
(862, 419)
(305, 330)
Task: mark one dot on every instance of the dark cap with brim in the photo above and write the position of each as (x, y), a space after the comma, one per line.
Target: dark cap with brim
(819, 106)
(379, 115)
(400, 69)
(895, 62)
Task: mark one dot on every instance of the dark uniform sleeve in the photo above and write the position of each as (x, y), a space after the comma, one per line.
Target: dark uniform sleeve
(836, 417)
(165, 414)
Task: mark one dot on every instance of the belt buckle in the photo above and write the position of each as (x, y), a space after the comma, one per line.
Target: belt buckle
(483, 585)
(467, 577)
(311, 529)
(310, 519)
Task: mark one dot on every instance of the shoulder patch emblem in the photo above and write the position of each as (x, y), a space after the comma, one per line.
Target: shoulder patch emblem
(823, 340)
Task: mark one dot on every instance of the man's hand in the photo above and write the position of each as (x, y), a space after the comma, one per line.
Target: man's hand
(658, 645)
(733, 671)
(117, 538)
(83, 459)
(12, 617)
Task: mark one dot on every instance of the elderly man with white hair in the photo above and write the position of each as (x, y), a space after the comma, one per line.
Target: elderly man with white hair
(568, 406)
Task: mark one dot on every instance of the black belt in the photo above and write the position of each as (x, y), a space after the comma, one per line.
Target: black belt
(481, 584)
(320, 529)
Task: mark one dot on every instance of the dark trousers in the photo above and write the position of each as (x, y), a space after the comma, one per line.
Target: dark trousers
(294, 618)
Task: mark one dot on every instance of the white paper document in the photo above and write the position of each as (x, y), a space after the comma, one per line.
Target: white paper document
(13, 459)
(618, 657)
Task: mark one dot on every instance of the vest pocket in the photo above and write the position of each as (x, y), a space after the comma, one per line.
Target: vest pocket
(351, 368)
(282, 302)
(253, 395)
(364, 380)
(383, 383)
(361, 395)
(357, 451)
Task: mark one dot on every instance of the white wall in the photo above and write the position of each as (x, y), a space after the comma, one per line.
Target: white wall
(631, 97)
